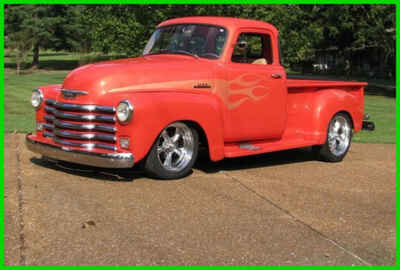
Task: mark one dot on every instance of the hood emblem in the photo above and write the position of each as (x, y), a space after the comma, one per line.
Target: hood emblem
(70, 94)
(202, 85)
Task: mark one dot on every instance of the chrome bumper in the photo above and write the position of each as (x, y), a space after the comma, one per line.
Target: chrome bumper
(112, 160)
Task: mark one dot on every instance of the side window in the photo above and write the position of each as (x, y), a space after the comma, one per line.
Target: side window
(252, 48)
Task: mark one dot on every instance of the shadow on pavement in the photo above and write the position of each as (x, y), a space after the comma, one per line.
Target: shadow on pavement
(257, 161)
(203, 164)
(105, 174)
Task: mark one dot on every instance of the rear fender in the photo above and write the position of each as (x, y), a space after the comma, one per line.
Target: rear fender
(153, 111)
(328, 102)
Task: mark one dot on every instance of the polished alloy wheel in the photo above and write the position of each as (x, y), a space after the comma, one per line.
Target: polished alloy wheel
(175, 147)
(339, 135)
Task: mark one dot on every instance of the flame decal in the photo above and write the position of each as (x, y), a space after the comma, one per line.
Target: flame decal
(249, 89)
(245, 87)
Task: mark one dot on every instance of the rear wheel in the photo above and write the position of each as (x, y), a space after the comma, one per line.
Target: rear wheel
(338, 139)
(174, 152)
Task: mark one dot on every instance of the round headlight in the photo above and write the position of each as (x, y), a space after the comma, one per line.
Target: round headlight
(124, 111)
(37, 98)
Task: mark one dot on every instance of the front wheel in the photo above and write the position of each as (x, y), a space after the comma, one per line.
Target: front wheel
(174, 152)
(338, 139)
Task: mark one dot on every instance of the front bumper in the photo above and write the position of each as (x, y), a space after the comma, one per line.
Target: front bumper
(106, 160)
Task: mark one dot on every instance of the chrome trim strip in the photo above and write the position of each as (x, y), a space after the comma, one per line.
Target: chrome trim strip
(81, 117)
(83, 108)
(69, 94)
(50, 101)
(111, 160)
(84, 136)
(80, 92)
(48, 109)
(49, 118)
(48, 126)
(90, 127)
(48, 134)
(87, 146)
(79, 107)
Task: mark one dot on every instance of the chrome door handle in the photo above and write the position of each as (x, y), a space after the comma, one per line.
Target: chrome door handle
(276, 76)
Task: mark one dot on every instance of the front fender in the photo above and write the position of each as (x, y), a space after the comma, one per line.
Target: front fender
(153, 111)
(49, 92)
(331, 101)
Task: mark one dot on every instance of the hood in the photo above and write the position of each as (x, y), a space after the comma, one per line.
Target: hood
(153, 72)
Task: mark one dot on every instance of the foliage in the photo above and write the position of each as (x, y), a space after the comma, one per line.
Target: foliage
(18, 42)
(43, 26)
(124, 29)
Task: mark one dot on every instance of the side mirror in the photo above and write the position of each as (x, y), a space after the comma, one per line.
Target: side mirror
(242, 44)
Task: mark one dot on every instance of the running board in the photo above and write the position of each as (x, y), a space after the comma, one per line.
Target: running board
(260, 147)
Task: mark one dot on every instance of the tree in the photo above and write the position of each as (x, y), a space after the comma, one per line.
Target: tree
(18, 42)
(46, 26)
(349, 30)
(126, 28)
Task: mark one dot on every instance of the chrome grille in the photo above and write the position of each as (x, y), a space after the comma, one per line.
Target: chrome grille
(83, 126)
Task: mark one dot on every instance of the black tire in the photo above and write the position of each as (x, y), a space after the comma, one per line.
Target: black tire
(338, 139)
(172, 156)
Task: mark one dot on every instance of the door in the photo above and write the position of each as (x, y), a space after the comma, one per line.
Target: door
(256, 82)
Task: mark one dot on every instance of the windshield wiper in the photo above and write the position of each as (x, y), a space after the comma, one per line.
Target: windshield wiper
(172, 52)
(186, 53)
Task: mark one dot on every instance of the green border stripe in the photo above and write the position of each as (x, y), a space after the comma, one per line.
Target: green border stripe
(199, 2)
(397, 137)
(2, 129)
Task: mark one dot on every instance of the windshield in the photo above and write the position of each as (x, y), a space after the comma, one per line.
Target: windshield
(197, 40)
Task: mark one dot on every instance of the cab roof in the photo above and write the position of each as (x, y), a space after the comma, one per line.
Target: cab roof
(227, 22)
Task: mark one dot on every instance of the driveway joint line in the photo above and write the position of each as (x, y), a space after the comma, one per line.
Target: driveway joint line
(22, 259)
(322, 235)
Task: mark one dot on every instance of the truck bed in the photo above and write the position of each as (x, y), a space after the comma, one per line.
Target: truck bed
(301, 102)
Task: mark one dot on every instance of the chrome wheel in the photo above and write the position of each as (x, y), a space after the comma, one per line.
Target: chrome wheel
(339, 135)
(175, 147)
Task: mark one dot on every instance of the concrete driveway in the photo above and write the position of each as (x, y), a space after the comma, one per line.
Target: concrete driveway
(275, 209)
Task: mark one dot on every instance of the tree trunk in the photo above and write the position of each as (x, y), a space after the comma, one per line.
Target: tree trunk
(18, 67)
(35, 61)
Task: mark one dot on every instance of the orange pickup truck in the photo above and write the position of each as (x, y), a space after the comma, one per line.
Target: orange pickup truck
(211, 81)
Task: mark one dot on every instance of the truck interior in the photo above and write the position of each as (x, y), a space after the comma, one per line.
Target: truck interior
(253, 48)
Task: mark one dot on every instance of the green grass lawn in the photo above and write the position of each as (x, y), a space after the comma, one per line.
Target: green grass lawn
(383, 113)
(19, 114)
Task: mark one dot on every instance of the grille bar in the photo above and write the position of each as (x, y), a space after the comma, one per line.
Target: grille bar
(50, 102)
(49, 118)
(84, 108)
(88, 146)
(80, 117)
(85, 124)
(84, 136)
(80, 108)
(84, 127)
(48, 126)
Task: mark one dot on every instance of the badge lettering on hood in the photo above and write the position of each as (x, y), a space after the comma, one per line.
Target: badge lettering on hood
(202, 85)
(70, 94)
